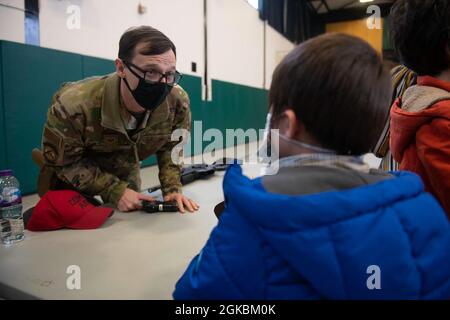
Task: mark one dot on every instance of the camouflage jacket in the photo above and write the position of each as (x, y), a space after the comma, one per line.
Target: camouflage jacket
(86, 142)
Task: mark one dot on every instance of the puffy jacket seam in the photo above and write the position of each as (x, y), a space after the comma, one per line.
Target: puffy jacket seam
(337, 260)
(356, 215)
(224, 267)
(412, 255)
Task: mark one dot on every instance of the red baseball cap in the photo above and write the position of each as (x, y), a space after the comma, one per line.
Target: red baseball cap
(66, 209)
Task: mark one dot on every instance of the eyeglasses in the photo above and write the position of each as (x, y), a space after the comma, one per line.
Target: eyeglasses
(153, 76)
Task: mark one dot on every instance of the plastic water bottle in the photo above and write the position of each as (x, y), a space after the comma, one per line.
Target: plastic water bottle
(11, 219)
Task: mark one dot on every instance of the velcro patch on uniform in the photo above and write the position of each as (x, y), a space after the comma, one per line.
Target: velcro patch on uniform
(52, 145)
(50, 153)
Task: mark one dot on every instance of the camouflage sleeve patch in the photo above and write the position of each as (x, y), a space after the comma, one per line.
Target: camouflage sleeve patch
(52, 146)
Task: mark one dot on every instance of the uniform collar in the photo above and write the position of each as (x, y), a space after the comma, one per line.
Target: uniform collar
(113, 113)
(129, 121)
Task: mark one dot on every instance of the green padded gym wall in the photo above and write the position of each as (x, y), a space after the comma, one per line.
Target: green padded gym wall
(30, 76)
(2, 123)
(96, 66)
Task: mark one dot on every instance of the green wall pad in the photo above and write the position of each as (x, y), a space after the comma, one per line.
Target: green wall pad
(30, 77)
(2, 120)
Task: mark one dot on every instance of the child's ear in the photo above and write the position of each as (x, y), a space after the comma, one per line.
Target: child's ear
(292, 124)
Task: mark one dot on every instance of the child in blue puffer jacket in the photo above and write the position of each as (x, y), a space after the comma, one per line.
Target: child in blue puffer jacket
(326, 226)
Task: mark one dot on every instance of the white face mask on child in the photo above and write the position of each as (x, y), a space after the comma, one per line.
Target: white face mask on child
(306, 145)
(265, 152)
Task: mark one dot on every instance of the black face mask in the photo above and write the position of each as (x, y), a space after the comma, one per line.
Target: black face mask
(149, 95)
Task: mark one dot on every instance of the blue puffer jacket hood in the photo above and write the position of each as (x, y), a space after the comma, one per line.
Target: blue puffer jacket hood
(332, 245)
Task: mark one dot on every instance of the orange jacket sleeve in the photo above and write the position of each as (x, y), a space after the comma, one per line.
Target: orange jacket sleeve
(433, 149)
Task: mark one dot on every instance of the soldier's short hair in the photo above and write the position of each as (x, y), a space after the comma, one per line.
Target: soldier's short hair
(155, 42)
(338, 88)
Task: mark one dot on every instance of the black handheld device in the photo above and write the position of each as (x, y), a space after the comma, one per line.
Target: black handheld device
(158, 206)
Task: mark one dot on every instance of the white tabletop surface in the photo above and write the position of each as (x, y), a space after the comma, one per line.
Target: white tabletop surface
(132, 256)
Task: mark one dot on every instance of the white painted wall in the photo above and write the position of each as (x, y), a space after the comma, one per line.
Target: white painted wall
(277, 47)
(235, 42)
(182, 22)
(104, 21)
(12, 21)
(235, 35)
(101, 24)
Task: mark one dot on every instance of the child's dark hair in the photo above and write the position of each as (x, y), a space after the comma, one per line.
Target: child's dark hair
(338, 88)
(420, 32)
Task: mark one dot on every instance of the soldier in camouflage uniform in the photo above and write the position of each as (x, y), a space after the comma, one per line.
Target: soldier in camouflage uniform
(99, 129)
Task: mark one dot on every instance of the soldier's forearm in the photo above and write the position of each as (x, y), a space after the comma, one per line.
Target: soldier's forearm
(169, 174)
(169, 187)
(169, 177)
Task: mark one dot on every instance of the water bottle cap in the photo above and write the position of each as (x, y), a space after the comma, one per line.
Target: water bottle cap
(5, 173)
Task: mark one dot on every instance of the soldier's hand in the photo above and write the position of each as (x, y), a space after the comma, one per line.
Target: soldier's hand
(132, 200)
(182, 202)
